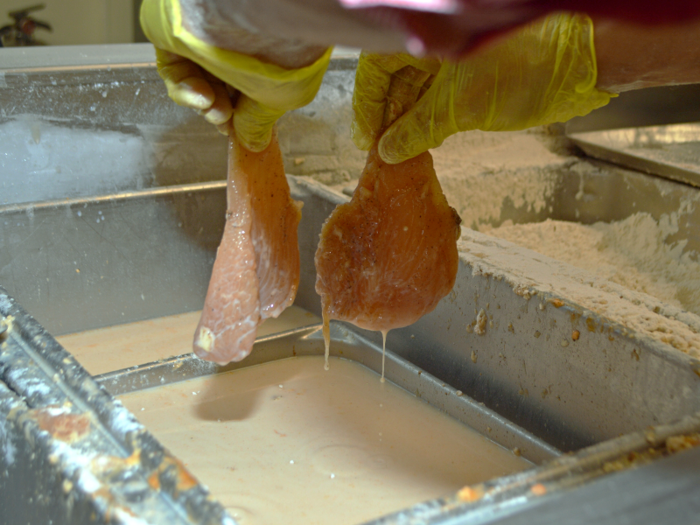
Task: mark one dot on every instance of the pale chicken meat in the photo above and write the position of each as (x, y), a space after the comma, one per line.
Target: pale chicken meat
(276, 218)
(388, 256)
(256, 272)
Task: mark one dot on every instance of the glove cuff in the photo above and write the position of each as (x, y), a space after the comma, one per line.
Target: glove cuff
(273, 86)
(572, 92)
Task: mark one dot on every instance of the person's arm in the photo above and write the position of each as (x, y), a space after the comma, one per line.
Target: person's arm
(436, 27)
(550, 71)
(634, 57)
(542, 73)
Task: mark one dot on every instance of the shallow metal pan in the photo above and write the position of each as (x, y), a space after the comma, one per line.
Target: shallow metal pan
(345, 344)
(671, 151)
(103, 471)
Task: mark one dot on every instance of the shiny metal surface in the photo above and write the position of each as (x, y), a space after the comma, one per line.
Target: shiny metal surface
(79, 264)
(670, 151)
(86, 125)
(133, 236)
(85, 263)
(643, 107)
(70, 453)
(662, 492)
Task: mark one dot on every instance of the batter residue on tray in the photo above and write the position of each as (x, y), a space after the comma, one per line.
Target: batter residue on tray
(287, 442)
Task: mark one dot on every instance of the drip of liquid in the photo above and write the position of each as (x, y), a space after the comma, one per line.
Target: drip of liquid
(327, 343)
(326, 338)
(384, 332)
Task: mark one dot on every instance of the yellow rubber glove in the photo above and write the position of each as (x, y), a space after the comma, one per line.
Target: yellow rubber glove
(372, 79)
(267, 91)
(545, 72)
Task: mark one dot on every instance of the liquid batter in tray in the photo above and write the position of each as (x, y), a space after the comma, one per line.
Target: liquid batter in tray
(126, 345)
(288, 442)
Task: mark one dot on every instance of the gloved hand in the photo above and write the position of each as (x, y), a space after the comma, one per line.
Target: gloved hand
(196, 74)
(543, 73)
(372, 80)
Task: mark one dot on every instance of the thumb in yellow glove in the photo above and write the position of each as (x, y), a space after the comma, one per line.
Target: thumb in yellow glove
(546, 72)
(190, 86)
(196, 75)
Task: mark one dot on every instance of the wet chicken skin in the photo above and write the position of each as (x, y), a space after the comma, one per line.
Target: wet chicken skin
(388, 256)
(256, 271)
(275, 222)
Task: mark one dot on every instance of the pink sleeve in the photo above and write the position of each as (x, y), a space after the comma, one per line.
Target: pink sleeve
(453, 27)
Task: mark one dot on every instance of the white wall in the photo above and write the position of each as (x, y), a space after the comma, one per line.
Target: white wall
(79, 21)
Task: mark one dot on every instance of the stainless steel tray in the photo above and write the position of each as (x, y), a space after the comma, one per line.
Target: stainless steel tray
(144, 249)
(671, 151)
(72, 454)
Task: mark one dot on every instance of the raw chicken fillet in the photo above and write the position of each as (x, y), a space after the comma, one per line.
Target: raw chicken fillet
(256, 272)
(388, 256)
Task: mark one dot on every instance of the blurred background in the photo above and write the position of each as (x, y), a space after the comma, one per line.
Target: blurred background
(71, 22)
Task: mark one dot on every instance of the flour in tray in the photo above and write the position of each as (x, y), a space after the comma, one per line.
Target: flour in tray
(631, 252)
(480, 171)
(530, 274)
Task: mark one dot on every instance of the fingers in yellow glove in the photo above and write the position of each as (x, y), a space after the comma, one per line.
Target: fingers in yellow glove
(544, 73)
(275, 89)
(184, 80)
(372, 80)
(221, 109)
(190, 86)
